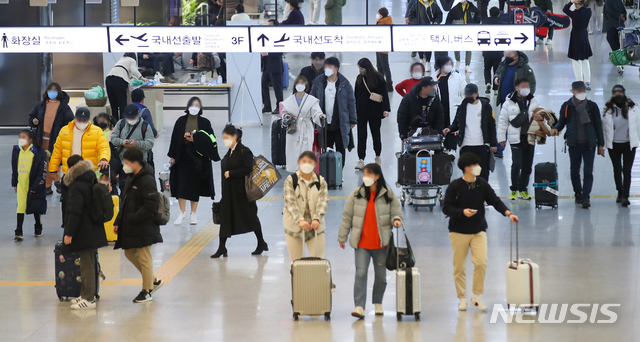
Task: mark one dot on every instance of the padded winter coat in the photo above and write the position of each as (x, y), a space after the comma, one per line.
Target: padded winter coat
(509, 111)
(95, 147)
(634, 126)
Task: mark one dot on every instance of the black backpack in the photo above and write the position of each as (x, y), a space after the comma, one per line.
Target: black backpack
(101, 203)
(294, 177)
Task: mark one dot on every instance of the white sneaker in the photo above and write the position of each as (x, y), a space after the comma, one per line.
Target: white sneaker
(84, 305)
(540, 41)
(360, 165)
(427, 67)
(358, 312)
(76, 300)
(467, 69)
(457, 67)
(463, 305)
(180, 218)
(378, 160)
(193, 219)
(477, 303)
(379, 310)
(487, 88)
(548, 42)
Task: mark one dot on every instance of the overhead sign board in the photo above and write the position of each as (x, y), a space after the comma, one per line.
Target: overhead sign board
(464, 38)
(178, 39)
(320, 38)
(50, 39)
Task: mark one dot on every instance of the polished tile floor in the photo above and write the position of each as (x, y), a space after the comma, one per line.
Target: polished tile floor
(585, 256)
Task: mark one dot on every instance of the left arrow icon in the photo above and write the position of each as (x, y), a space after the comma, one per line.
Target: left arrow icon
(119, 40)
(263, 38)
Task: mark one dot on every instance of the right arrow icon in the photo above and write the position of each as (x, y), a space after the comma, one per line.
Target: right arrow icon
(523, 38)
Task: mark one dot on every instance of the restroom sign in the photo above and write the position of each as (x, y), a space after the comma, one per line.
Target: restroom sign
(464, 38)
(320, 38)
(53, 39)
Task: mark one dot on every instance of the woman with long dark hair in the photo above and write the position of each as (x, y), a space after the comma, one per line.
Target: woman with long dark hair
(238, 214)
(621, 127)
(117, 82)
(372, 105)
(191, 172)
(369, 213)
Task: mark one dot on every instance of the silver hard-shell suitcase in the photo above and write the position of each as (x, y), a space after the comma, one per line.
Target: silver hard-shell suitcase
(407, 289)
(311, 286)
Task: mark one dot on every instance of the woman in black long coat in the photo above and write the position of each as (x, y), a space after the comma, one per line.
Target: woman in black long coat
(579, 47)
(191, 172)
(237, 214)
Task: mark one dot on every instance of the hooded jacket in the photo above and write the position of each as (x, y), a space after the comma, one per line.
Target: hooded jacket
(85, 233)
(523, 70)
(411, 108)
(593, 129)
(419, 14)
(95, 147)
(634, 126)
(456, 84)
(487, 120)
(456, 13)
(511, 109)
(333, 12)
(63, 117)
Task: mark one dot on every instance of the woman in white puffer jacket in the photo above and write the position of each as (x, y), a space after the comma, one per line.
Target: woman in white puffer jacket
(621, 127)
(454, 93)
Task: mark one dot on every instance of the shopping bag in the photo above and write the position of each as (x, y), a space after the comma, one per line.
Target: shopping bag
(261, 179)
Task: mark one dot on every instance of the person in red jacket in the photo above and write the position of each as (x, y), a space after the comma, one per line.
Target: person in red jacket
(417, 70)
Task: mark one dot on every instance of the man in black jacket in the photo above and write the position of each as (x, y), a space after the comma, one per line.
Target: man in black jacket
(423, 104)
(492, 59)
(310, 72)
(272, 70)
(464, 13)
(476, 127)
(81, 233)
(135, 225)
(424, 12)
(584, 134)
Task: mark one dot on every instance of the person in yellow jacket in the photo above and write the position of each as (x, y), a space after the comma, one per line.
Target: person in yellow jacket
(82, 138)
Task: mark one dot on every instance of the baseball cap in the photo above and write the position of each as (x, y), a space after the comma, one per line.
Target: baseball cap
(618, 88)
(83, 113)
(426, 81)
(130, 111)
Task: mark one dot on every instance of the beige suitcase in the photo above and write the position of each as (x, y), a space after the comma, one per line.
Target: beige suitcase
(311, 286)
(523, 281)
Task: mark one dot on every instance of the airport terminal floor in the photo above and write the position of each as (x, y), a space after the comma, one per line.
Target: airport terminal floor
(586, 256)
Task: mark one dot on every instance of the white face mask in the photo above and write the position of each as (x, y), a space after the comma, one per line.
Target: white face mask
(132, 121)
(416, 75)
(306, 168)
(367, 181)
(581, 96)
(524, 92)
(193, 110)
(22, 142)
(328, 72)
(378, 16)
(81, 125)
(227, 142)
(127, 169)
(447, 68)
(476, 170)
(300, 87)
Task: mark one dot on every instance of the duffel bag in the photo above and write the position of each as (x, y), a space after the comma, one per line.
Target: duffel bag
(633, 52)
(619, 57)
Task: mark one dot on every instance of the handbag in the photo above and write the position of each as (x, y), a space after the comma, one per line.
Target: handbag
(400, 258)
(292, 122)
(375, 97)
(262, 178)
(215, 208)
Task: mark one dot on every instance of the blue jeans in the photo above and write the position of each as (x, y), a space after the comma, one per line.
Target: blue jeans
(577, 154)
(363, 256)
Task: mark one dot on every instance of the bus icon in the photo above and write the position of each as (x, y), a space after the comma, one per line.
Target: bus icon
(484, 37)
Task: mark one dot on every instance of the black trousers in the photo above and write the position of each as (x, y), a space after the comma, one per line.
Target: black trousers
(490, 64)
(482, 7)
(522, 161)
(117, 92)
(426, 55)
(382, 59)
(613, 39)
(483, 152)
(375, 122)
(502, 4)
(275, 79)
(162, 62)
(622, 156)
(335, 138)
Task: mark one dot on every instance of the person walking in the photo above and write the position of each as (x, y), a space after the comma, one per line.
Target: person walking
(464, 204)
(382, 58)
(333, 12)
(117, 82)
(492, 59)
(476, 127)
(584, 133)
(81, 233)
(238, 214)
(47, 118)
(579, 46)
(130, 132)
(464, 13)
(621, 126)
(421, 104)
(28, 178)
(315, 6)
(596, 7)
(305, 111)
(368, 215)
(310, 72)
(272, 69)
(191, 171)
(336, 97)
(515, 117)
(417, 71)
(306, 197)
(372, 105)
(614, 16)
(295, 16)
(547, 7)
(450, 88)
(425, 12)
(135, 225)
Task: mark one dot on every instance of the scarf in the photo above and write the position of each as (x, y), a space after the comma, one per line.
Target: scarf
(581, 111)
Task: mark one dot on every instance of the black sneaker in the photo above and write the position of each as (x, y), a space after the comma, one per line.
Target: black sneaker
(58, 187)
(586, 204)
(619, 199)
(578, 198)
(497, 154)
(49, 191)
(38, 231)
(625, 202)
(156, 285)
(142, 297)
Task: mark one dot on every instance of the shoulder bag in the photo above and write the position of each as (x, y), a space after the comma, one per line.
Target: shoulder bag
(375, 97)
(292, 122)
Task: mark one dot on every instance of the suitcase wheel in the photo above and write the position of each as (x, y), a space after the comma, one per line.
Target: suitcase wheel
(415, 208)
(60, 298)
(296, 316)
(538, 207)
(327, 316)
(417, 316)
(430, 208)
(399, 316)
(555, 206)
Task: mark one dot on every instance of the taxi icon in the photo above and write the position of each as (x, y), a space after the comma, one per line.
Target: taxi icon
(502, 39)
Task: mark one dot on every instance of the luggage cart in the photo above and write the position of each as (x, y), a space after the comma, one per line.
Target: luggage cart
(632, 5)
(424, 193)
(620, 58)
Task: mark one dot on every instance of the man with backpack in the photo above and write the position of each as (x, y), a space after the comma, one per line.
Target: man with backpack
(82, 232)
(136, 223)
(131, 131)
(137, 98)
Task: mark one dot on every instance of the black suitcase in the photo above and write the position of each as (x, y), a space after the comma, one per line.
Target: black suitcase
(330, 165)
(406, 168)
(442, 168)
(424, 138)
(278, 143)
(67, 266)
(545, 182)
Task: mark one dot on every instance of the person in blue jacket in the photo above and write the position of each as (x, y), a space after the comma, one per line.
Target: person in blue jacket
(28, 179)
(137, 98)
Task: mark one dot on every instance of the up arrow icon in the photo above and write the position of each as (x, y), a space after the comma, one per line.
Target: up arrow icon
(263, 38)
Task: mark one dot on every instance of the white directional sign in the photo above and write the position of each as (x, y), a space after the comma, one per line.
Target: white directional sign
(178, 39)
(320, 38)
(53, 39)
(464, 38)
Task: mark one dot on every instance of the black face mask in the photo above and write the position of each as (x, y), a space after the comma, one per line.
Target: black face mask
(619, 99)
(102, 125)
(509, 60)
(470, 99)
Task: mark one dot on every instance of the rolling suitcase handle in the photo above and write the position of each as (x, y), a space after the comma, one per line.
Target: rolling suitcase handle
(511, 246)
(303, 242)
